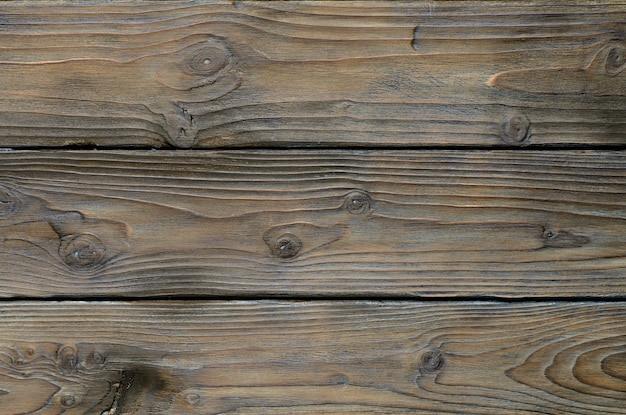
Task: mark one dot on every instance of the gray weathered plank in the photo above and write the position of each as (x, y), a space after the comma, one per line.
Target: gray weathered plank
(187, 358)
(214, 74)
(312, 223)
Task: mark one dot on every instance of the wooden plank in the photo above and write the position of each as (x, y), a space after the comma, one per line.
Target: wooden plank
(218, 74)
(312, 223)
(312, 357)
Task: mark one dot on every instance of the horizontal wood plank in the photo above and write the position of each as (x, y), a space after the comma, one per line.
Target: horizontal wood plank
(219, 74)
(312, 223)
(312, 357)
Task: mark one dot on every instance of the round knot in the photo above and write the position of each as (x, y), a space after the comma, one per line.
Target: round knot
(431, 361)
(98, 358)
(515, 130)
(94, 359)
(68, 400)
(206, 61)
(68, 359)
(9, 203)
(549, 234)
(196, 66)
(357, 202)
(615, 60)
(82, 251)
(192, 399)
(287, 246)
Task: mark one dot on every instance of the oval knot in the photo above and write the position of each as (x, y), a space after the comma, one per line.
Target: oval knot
(82, 251)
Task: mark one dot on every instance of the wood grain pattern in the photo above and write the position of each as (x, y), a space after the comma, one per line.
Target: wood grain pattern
(219, 74)
(187, 358)
(313, 223)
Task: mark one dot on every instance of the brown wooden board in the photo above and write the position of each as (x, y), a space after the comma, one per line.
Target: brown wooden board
(215, 74)
(381, 257)
(188, 358)
(313, 223)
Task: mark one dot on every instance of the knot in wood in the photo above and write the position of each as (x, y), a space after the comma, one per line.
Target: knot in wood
(357, 202)
(431, 361)
(549, 234)
(287, 246)
(97, 358)
(615, 60)
(208, 60)
(516, 130)
(206, 64)
(181, 128)
(94, 359)
(67, 359)
(82, 251)
(68, 400)
(196, 66)
(9, 203)
(562, 239)
(192, 399)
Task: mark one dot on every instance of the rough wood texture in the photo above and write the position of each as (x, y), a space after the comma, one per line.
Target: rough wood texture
(313, 73)
(333, 358)
(302, 224)
(313, 223)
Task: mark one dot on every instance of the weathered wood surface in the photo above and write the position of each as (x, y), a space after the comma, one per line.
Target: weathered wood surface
(309, 223)
(313, 73)
(187, 358)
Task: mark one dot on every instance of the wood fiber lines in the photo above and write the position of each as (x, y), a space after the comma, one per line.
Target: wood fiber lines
(313, 223)
(312, 357)
(312, 207)
(366, 74)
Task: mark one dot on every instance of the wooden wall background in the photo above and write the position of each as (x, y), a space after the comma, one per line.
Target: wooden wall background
(312, 207)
